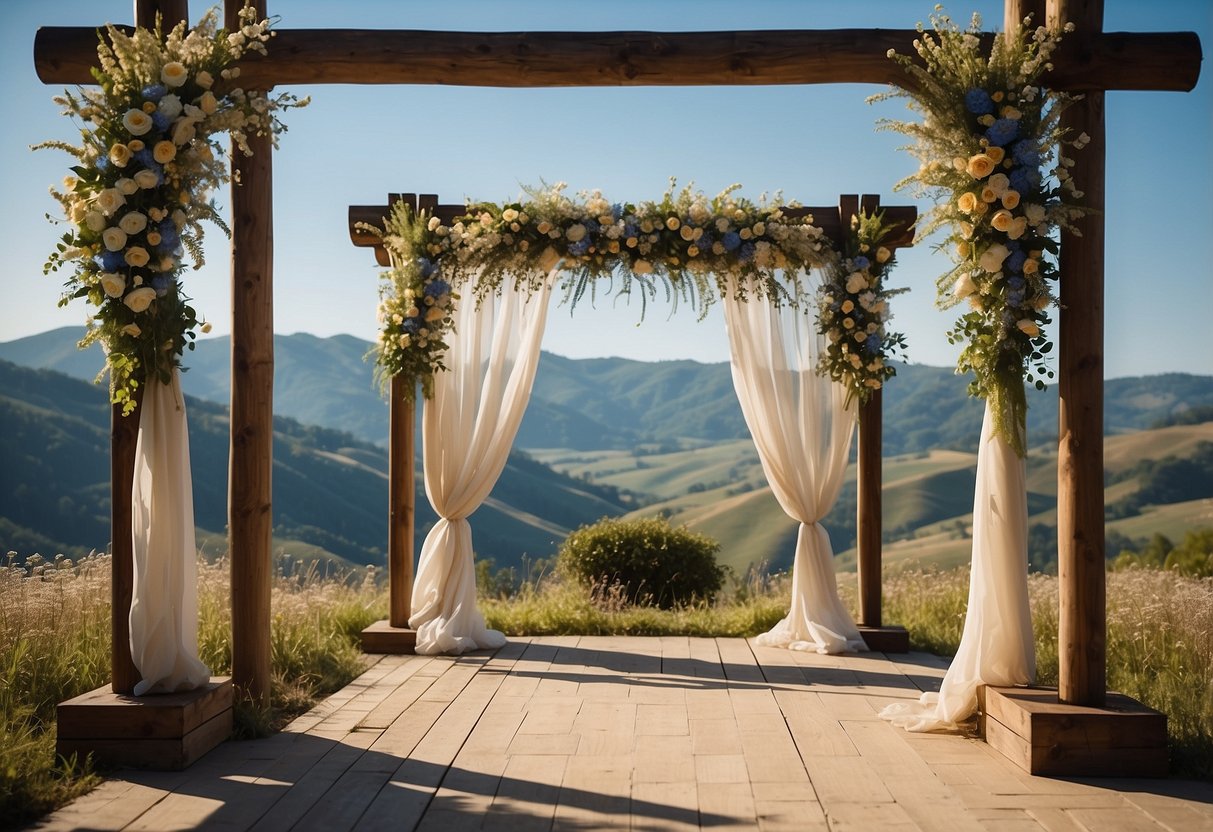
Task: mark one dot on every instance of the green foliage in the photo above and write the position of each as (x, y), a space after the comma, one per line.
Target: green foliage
(1192, 557)
(1171, 479)
(650, 561)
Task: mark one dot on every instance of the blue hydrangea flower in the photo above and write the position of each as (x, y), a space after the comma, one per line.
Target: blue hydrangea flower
(110, 261)
(101, 163)
(1025, 153)
(1024, 180)
(731, 240)
(704, 242)
(169, 238)
(616, 211)
(427, 266)
(580, 247)
(161, 283)
(978, 102)
(1014, 263)
(154, 92)
(144, 157)
(861, 263)
(591, 227)
(747, 252)
(630, 230)
(873, 343)
(1002, 131)
(436, 288)
(410, 325)
(160, 121)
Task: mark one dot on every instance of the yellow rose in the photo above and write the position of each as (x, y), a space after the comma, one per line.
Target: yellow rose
(988, 195)
(204, 79)
(967, 202)
(847, 306)
(140, 299)
(986, 120)
(1001, 220)
(132, 330)
(963, 248)
(672, 223)
(1018, 227)
(173, 74)
(979, 166)
(164, 152)
(1031, 266)
(847, 323)
(991, 259)
(136, 145)
(146, 179)
(964, 287)
(693, 251)
(996, 154)
(641, 267)
(687, 233)
(1010, 199)
(1028, 327)
(435, 313)
(137, 256)
(120, 154)
(883, 255)
(208, 103)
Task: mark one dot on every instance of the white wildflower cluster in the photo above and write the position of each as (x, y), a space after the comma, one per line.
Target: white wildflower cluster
(148, 161)
(691, 243)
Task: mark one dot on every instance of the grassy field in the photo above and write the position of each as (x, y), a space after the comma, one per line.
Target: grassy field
(54, 644)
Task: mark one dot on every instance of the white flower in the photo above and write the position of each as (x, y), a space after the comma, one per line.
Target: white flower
(964, 287)
(133, 222)
(137, 256)
(127, 185)
(110, 200)
(94, 221)
(1034, 213)
(173, 74)
(140, 299)
(114, 239)
(113, 284)
(206, 327)
(576, 232)
(183, 132)
(136, 122)
(169, 107)
(856, 282)
(147, 179)
(991, 259)
(164, 152)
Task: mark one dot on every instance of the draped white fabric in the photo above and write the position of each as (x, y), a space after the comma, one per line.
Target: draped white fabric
(164, 605)
(802, 429)
(996, 646)
(467, 429)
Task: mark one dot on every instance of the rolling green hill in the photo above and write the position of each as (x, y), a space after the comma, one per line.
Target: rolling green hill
(330, 489)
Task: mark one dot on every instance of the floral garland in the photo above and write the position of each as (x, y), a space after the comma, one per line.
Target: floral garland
(686, 242)
(147, 161)
(989, 146)
(853, 311)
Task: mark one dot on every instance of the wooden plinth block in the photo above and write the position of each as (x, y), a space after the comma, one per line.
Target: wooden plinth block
(382, 637)
(1042, 735)
(168, 732)
(891, 639)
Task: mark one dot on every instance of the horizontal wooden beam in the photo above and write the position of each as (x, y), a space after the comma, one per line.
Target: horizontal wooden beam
(1116, 61)
(828, 218)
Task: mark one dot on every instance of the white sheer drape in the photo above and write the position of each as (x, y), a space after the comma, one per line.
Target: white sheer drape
(164, 604)
(996, 646)
(802, 430)
(468, 428)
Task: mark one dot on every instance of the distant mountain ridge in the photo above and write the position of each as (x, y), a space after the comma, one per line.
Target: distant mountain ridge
(605, 403)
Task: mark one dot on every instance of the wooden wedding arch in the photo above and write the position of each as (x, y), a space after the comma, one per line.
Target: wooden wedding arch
(1089, 61)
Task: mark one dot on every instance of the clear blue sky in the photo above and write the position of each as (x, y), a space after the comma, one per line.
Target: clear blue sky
(355, 144)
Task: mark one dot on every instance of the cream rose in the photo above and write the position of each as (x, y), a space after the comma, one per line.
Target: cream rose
(1010, 199)
(169, 107)
(147, 179)
(988, 196)
(114, 239)
(120, 155)
(173, 74)
(991, 258)
(548, 258)
(967, 202)
(856, 282)
(1028, 327)
(110, 200)
(641, 267)
(140, 299)
(132, 330)
(1002, 220)
(964, 287)
(1031, 266)
(136, 122)
(883, 255)
(1019, 227)
(206, 327)
(94, 221)
(995, 153)
(435, 313)
(137, 256)
(113, 284)
(672, 223)
(127, 185)
(183, 132)
(999, 183)
(164, 152)
(576, 232)
(204, 79)
(133, 222)
(207, 103)
(979, 166)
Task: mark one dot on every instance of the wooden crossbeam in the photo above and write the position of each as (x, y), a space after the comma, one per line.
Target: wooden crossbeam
(828, 218)
(1111, 61)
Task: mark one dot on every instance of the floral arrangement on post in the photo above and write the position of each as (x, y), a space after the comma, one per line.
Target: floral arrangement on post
(989, 144)
(853, 310)
(686, 242)
(148, 159)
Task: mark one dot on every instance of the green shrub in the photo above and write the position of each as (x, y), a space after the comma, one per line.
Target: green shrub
(643, 562)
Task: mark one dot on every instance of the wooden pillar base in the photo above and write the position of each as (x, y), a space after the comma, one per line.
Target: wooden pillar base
(382, 637)
(167, 732)
(1033, 729)
(888, 639)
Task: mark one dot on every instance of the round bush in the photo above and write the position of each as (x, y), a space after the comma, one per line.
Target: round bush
(648, 561)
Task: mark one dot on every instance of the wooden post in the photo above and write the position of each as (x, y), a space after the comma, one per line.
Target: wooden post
(124, 433)
(1082, 677)
(1014, 12)
(252, 413)
(401, 496)
(171, 12)
(868, 484)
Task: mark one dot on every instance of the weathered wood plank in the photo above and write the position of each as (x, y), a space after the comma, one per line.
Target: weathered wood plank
(1165, 60)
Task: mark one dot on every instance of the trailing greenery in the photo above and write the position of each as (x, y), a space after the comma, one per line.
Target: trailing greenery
(647, 562)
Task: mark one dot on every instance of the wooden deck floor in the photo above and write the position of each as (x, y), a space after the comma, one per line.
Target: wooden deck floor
(586, 733)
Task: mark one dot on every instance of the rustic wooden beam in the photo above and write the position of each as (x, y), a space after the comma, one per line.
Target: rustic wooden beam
(171, 13)
(1014, 12)
(900, 217)
(1082, 622)
(868, 479)
(124, 434)
(1115, 60)
(401, 499)
(252, 411)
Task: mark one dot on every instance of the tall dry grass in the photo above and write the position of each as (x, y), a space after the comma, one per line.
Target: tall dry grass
(55, 644)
